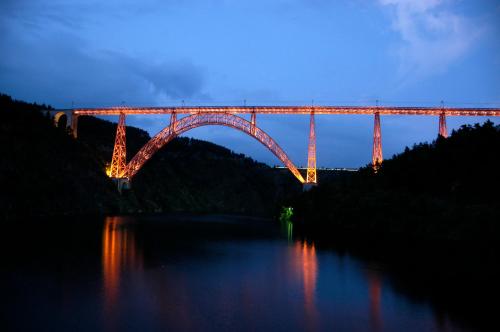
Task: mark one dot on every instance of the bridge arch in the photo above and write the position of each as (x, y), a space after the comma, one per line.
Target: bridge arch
(70, 122)
(204, 119)
(61, 119)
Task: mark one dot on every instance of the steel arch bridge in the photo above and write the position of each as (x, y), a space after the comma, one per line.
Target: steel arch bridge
(198, 120)
(229, 116)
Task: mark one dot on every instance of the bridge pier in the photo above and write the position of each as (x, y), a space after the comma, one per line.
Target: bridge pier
(253, 121)
(443, 131)
(311, 153)
(71, 120)
(122, 183)
(377, 143)
(173, 120)
(308, 186)
(119, 159)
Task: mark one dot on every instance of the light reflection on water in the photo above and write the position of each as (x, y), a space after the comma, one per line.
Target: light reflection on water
(375, 286)
(120, 253)
(306, 267)
(209, 276)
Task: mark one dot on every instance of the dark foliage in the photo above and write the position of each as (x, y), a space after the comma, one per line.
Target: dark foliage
(445, 190)
(45, 172)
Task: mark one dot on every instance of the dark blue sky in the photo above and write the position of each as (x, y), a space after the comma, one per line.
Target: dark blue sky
(221, 52)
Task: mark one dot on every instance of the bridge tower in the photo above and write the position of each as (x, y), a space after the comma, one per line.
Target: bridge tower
(311, 178)
(377, 144)
(443, 131)
(119, 160)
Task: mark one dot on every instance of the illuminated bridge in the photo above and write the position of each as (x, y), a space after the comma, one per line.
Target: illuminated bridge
(230, 116)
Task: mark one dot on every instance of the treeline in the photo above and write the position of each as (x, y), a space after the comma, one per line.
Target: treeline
(447, 190)
(44, 171)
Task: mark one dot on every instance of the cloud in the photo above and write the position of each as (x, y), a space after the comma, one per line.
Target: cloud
(176, 79)
(433, 36)
(64, 70)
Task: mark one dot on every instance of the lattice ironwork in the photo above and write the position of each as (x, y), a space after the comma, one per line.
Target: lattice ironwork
(293, 110)
(173, 120)
(226, 115)
(204, 119)
(119, 160)
(377, 144)
(253, 121)
(443, 131)
(311, 153)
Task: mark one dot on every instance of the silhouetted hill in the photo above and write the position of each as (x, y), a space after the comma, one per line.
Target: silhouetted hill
(46, 172)
(445, 190)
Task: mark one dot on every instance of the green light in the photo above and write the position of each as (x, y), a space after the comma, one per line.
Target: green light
(286, 221)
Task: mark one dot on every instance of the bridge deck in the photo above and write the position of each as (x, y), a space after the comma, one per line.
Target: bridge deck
(332, 110)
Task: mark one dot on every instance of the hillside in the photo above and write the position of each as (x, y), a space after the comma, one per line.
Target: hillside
(446, 190)
(44, 171)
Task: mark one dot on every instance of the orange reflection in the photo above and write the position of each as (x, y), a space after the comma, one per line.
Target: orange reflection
(119, 252)
(375, 291)
(306, 264)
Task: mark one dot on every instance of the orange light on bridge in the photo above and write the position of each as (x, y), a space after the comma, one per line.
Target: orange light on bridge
(311, 153)
(204, 119)
(226, 116)
(305, 110)
(108, 170)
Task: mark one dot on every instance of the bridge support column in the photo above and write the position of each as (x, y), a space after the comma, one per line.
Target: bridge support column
(71, 120)
(443, 131)
(122, 183)
(173, 120)
(253, 121)
(119, 160)
(377, 144)
(311, 153)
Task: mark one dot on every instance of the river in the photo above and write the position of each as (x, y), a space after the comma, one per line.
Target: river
(205, 273)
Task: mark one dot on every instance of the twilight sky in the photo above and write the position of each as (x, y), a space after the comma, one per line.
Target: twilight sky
(91, 53)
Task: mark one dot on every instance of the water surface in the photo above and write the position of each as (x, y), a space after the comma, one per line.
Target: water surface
(197, 274)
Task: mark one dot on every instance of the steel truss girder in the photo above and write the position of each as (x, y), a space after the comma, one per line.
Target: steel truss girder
(332, 110)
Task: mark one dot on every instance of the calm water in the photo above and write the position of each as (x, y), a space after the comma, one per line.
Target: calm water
(197, 274)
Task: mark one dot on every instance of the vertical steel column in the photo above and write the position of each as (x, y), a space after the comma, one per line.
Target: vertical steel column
(253, 121)
(119, 161)
(443, 131)
(173, 120)
(377, 143)
(311, 153)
